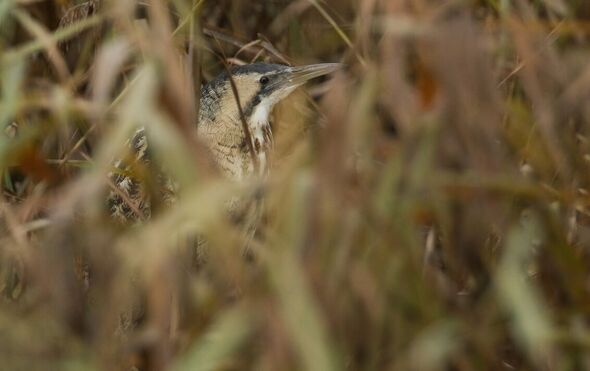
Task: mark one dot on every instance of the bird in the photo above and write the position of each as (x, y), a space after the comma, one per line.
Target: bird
(260, 86)
(239, 151)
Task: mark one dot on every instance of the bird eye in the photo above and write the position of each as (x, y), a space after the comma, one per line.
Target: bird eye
(264, 80)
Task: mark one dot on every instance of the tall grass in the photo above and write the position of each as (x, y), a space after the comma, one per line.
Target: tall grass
(427, 208)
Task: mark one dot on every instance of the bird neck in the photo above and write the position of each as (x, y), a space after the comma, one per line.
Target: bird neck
(222, 131)
(261, 133)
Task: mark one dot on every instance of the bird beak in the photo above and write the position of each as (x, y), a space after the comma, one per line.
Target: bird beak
(296, 76)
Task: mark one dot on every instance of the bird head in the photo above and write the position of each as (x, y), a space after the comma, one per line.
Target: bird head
(267, 84)
(260, 86)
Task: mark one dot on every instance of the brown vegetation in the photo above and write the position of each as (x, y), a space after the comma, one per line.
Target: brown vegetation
(427, 209)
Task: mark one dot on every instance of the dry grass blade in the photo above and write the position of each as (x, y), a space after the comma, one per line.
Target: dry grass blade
(223, 339)
(58, 36)
(46, 40)
(337, 28)
(425, 208)
(5, 7)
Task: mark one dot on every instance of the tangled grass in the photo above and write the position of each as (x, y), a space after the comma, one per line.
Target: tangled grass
(427, 208)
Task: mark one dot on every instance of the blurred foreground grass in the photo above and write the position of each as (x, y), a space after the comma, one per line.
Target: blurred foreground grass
(427, 209)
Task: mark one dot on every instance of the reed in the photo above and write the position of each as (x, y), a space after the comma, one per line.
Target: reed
(427, 208)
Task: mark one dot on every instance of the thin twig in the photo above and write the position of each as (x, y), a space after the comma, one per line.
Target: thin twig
(245, 127)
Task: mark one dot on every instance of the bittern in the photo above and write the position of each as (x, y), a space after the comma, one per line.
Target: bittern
(258, 88)
(238, 151)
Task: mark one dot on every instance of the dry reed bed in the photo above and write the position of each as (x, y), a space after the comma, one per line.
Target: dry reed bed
(427, 209)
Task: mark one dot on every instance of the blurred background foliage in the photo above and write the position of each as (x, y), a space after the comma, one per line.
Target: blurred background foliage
(427, 208)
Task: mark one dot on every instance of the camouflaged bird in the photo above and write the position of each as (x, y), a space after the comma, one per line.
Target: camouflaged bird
(239, 152)
(259, 86)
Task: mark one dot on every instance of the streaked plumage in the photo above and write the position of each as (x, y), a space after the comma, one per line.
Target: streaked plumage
(260, 87)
